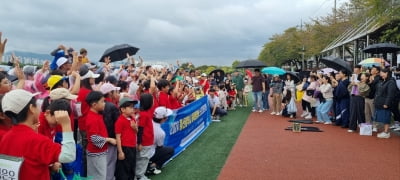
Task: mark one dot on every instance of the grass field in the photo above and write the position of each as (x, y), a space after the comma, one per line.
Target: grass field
(206, 156)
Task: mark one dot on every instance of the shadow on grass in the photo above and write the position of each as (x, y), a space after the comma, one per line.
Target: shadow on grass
(207, 155)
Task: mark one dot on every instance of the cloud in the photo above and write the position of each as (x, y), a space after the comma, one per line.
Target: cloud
(203, 32)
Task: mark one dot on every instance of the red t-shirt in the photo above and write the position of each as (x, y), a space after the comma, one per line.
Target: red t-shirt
(232, 93)
(206, 87)
(155, 103)
(4, 128)
(37, 150)
(128, 135)
(146, 121)
(163, 99)
(174, 103)
(83, 92)
(95, 126)
(45, 128)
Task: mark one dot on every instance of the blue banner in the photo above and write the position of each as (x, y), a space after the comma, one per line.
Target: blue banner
(187, 124)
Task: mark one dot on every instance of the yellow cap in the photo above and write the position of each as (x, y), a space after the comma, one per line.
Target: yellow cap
(53, 80)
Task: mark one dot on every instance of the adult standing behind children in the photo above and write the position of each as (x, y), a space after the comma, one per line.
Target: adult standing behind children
(110, 116)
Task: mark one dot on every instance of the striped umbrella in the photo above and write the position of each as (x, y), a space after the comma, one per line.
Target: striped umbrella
(369, 62)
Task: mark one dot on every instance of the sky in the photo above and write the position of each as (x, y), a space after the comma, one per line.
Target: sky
(204, 32)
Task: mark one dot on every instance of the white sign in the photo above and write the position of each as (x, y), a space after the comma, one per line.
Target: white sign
(9, 167)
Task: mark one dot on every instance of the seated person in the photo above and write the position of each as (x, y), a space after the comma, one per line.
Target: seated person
(162, 153)
(213, 100)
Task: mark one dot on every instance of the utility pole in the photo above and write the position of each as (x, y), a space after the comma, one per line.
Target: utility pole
(334, 11)
(302, 49)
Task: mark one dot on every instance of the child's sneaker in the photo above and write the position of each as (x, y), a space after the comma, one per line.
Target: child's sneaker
(308, 116)
(305, 113)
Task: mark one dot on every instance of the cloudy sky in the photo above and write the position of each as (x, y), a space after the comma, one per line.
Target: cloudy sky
(213, 32)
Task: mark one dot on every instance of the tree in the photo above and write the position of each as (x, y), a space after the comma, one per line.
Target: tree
(235, 63)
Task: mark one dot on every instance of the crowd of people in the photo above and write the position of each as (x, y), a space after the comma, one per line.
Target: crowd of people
(72, 117)
(343, 98)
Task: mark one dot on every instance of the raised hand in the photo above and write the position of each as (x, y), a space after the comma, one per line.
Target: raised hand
(2, 47)
(62, 118)
(46, 66)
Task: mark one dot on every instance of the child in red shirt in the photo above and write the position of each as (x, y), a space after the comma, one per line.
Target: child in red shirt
(145, 136)
(125, 131)
(38, 151)
(97, 137)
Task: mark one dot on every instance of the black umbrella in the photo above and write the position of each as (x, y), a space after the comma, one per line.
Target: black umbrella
(381, 48)
(336, 63)
(118, 52)
(221, 75)
(293, 76)
(251, 64)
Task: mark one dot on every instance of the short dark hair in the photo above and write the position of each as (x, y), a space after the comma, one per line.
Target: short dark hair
(148, 67)
(60, 105)
(146, 101)
(211, 90)
(93, 97)
(377, 68)
(111, 79)
(344, 71)
(256, 70)
(357, 66)
(146, 84)
(100, 78)
(123, 85)
(162, 84)
(23, 114)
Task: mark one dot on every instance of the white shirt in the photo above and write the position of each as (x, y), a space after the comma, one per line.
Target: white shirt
(159, 135)
(213, 101)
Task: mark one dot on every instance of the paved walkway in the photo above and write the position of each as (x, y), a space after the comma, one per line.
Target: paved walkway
(264, 150)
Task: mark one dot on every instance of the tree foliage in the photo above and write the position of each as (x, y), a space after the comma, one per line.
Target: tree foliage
(315, 35)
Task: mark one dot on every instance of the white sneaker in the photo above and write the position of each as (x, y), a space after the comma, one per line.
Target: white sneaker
(383, 135)
(273, 113)
(308, 116)
(305, 113)
(397, 129)
(350, 131)
(253, 110)
(328, 123)
(374, 129)
(278, 114)
(260, 111)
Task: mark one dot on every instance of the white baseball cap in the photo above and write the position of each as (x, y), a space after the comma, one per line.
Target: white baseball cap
(90, 74)
(61, 93)
(16, 100)
(60, 61)
(162, 112)
(108, 87)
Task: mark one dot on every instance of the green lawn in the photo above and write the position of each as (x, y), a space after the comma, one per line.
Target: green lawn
(207, 155)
